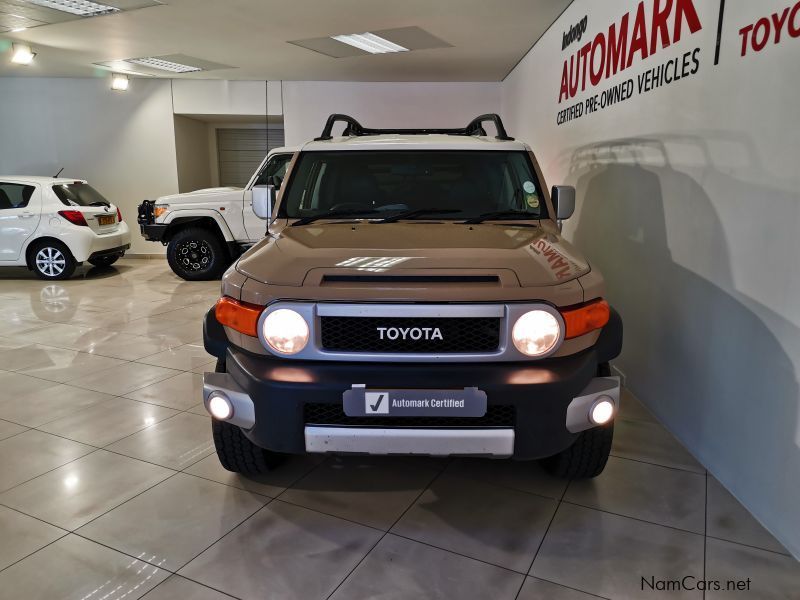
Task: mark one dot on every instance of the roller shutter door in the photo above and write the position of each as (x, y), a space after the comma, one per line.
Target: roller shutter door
(240, 152)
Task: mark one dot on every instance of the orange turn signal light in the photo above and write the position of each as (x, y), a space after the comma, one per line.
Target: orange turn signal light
(241, 316)
(582, 319)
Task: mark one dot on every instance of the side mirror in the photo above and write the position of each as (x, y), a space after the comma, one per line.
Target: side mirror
(264, 201)
(563, 197)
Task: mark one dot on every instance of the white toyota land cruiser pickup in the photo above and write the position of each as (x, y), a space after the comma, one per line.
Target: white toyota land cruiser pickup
(206, 230)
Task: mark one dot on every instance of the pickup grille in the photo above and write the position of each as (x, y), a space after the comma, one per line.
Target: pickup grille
(457, 334)
(333, 414)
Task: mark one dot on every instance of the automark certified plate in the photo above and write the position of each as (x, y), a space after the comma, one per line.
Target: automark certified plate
(364, 402)
(106, 220)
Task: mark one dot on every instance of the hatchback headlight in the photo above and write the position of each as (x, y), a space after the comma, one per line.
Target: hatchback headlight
(286, 331)
(536, 332)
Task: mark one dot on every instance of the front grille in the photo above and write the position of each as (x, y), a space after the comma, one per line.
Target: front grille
(333, 414)
(458, 334)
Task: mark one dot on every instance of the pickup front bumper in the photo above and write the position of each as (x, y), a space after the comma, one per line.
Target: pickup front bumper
(150, 230)
(534, 409)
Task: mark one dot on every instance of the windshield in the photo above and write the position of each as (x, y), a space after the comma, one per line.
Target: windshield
(462, 184)
(79, 194)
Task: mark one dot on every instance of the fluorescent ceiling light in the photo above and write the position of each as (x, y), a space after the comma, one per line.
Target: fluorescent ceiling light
(22, 54)
(369, 42)
(164, 65)
(82, 8)
(119, 82)
(18, 29)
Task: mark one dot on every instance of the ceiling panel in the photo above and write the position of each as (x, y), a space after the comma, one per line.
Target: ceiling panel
(460, 40)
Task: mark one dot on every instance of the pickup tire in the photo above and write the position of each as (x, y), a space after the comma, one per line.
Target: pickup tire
(197, 254)
(235, 452)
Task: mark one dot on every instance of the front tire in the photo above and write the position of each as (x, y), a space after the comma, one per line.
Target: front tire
(588, 455)
(585, 458)
(52, 260)
(197, 254)
(104, 261)
(235, 452)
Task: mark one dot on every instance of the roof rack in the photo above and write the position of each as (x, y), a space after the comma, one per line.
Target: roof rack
(354, 128)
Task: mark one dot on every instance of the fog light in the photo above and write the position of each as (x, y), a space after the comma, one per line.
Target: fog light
(220, 406)
(602, 410)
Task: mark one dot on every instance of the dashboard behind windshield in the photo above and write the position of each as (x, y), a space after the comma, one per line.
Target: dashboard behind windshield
(470, 183)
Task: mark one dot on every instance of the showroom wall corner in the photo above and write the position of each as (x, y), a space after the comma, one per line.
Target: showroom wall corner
(123, 143)
(687, 182)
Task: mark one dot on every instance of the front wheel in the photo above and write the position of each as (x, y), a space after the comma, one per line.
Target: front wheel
(586, 458)
(52, 260)
(235, 452)
(197, 254)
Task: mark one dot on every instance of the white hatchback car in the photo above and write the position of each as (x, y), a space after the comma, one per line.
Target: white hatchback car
(53, 225)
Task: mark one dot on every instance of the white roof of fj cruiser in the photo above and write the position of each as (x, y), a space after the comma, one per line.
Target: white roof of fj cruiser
(394, 141)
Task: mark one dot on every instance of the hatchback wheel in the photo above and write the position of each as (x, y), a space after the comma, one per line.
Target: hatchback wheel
(52, 260)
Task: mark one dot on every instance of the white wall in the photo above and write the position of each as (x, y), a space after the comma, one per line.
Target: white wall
(688, 203)
(307, 104)
(192, 154)
(123, 143)
(219, 97)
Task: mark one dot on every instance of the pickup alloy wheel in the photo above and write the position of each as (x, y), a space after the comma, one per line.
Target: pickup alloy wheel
(197, 254)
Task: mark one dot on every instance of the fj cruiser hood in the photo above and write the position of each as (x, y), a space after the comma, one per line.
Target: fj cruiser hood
(412, 248)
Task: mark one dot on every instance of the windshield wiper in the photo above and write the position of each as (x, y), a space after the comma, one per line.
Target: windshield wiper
(502, 214)
(334, 214)
(99, 203)
(407, 214)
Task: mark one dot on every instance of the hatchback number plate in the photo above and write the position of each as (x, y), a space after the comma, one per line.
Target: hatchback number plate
(106, 220)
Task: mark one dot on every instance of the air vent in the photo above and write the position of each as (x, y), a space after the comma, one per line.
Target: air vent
(410, 279)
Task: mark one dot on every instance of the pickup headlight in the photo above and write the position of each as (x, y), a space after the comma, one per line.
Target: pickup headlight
(286, 331)
(160, 209)
(536, 332)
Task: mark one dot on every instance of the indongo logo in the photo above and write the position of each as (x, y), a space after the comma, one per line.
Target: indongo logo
(410, 333)
(575, 33)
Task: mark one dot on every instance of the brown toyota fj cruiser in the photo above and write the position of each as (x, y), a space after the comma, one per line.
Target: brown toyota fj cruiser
(413, 295)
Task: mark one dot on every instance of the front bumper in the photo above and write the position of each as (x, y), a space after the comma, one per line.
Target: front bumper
(153, 232)
(296, 406)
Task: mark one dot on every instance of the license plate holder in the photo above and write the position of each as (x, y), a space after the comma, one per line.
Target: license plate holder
(106, 220)
(360, 401)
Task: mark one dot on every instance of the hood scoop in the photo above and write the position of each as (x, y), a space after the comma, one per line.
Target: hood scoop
(492, 279)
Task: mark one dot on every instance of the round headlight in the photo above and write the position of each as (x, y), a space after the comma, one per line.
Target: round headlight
(536, 332)
(285, 331)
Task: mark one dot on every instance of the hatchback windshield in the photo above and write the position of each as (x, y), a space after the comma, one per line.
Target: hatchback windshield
(79, 194)
(458, 184)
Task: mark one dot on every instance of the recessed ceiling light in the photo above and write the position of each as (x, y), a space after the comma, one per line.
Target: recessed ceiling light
(369, 42)
(164, 65)
(22, 54)
(119, 82)
(82, 8)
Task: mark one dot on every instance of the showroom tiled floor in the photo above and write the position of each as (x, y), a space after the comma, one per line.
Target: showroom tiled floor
(109, 488)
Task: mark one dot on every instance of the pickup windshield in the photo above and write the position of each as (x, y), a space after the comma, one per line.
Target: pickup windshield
(425, 184)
